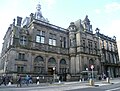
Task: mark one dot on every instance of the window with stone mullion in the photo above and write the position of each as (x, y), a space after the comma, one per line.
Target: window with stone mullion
(40, 37)
(21, 56)
(23, 40)
(60, 41)
(20, 69)
(52, 39)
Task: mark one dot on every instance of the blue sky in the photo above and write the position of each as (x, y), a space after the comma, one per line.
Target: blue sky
(104, 14)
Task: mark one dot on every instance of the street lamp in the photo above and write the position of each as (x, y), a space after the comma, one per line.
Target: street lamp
(53, 74)
(92, 79)
(87, 73)
(108, 77)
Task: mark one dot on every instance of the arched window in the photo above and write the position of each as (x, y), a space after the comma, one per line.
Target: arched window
(63, 66)
(51, 61)
(63, 62)
(39, 59)
(39, 64)
(86, 67)
(91, 62)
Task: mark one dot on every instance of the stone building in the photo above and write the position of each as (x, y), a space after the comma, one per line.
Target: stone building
(110, 63)
(36, 47)
(84, 48)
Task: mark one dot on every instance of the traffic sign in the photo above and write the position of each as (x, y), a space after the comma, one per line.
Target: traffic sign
(92, 66)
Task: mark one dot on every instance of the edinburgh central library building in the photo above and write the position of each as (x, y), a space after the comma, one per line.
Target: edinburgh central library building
(33, 46)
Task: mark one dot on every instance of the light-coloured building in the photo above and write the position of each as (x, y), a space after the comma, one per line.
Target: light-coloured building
(36, 47)
(110, 64)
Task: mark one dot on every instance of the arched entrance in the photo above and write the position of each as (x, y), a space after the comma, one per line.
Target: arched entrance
(51, 66)
(63, 69)
(39, 65)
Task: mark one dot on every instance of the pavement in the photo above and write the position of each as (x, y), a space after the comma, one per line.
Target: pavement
(81, 83)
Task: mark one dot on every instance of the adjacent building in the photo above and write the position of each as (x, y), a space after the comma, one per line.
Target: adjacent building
(36, 47)
(109, 55)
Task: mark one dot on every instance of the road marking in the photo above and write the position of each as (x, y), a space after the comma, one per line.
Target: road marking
(113, 89)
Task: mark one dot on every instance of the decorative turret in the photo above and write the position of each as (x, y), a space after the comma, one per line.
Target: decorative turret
(86, 24)
(38, 14)
(19, 20)
(72, 38)
(72, 27)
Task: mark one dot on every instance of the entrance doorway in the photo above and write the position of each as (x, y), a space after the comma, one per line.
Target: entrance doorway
(50, 71)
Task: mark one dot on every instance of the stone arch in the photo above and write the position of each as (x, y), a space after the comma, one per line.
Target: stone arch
(85, 67)
(51, 65)
(63, 66)
(62, 62)
(38, 59)
(91, 62)
(63, 69)
(52, 61)
(39, 65)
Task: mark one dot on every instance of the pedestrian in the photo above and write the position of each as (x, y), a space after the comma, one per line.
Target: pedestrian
(30, 79)
(3, 80)
(37, 80)
(27, 79)
(60, 78)
(19, 81)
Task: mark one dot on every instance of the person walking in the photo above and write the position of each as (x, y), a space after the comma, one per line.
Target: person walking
(3, 80)
(30, 80)
(19, 81)
(37, 80)
(27, 79)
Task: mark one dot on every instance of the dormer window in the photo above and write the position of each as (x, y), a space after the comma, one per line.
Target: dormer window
(23, 40)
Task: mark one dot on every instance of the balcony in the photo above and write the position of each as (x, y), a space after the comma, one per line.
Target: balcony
(49, 48)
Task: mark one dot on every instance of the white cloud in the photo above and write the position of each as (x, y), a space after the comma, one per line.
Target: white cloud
(112, 7)
(97, 11)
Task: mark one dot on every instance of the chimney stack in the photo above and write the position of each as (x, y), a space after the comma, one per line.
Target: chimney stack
(19, 20)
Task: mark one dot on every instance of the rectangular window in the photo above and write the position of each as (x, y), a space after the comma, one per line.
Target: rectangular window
(40, 37)
(21, 56)
(37, 38)
(60, 41)
(70, 42)
(64, 42)
(54, 42)
(102, 43)
(52, 39)
(83, 43)
(20, 68)
(23, 40)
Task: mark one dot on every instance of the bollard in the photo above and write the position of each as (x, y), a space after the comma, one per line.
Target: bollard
(38, 82)
(9, 84)
(59, 81)
(80, 80)
(108, 80)
(91, 82)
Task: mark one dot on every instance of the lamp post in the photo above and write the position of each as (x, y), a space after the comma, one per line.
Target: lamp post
(108, 77)
(87, 73)
(92, 79)
(53, 74)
